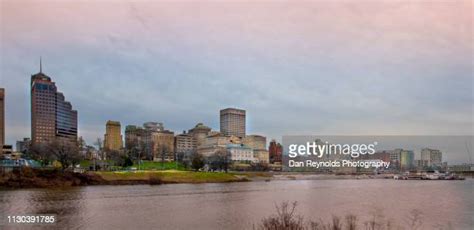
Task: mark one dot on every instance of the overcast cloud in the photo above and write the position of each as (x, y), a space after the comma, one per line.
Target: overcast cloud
(340, 67)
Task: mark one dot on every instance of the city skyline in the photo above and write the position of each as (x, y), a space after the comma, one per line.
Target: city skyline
(289, 84)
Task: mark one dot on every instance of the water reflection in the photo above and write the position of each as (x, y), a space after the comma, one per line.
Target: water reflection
(241, 205)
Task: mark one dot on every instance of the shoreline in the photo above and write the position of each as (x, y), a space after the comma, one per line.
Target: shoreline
(58, 179)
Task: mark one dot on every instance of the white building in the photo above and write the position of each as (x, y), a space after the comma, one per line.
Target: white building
(241, 153)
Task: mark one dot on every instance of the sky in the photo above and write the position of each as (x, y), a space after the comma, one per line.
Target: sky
(338, 67)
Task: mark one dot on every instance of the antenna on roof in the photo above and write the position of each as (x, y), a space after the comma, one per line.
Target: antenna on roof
(41, 66)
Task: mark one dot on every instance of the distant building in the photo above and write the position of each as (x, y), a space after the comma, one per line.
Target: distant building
(52, 117)
(7, 149)
(2, 116)
(395, 155)
(184, 143)
(113, 136)
(150, 140)
(216, 142)
(431, 157)
(199, 133)
(163, 145)
(382, 155)
(407, 159)
(153, 126)
(23, 145)
(232, 122)
(134, 137)
(255, 141)
(259, 146)
(66, 119)
(461, 168)
(420, 164)
(240, 153)
(150, 128)
(261, 155)
(275, 151)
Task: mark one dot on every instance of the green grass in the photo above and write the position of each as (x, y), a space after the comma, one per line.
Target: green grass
(172, 176)
(145, 165)
(85, 163)
(153, 165)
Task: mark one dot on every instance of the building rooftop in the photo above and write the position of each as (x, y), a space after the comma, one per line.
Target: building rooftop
(109, 122)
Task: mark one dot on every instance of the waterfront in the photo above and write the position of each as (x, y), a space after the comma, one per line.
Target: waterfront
(240, 205)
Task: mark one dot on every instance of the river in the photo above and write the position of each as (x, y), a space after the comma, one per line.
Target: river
(243, 205)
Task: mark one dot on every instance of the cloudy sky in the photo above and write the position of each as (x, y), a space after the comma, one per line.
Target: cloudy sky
(320, 67)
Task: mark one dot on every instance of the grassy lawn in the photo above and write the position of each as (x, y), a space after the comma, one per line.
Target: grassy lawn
(85, 163)
(153, 165)
(88, 163)
(145, 165)
(173, 176)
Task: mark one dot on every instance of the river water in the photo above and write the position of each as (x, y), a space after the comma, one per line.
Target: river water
(243, 205)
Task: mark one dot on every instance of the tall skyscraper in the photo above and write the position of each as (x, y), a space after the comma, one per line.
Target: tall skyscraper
(232, 122)
(52, 117)
(113, 136)
(2, 117)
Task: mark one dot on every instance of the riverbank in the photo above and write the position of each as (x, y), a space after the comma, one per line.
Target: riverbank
(29, 178)
(169, 177)
(48, 178)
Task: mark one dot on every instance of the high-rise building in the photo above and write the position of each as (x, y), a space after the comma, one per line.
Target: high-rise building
(2, 117)
(163, 145)
(431, 157)
(232, 122)
(134, 137)
(113, 135)
(275, 151)
(52, 117)
(150, 128)
(66, 118)
(149, 139)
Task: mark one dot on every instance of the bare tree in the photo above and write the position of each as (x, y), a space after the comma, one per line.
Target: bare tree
(115, 156)
(220, 160)
(64, 151)
(100, 149)
(197, 161)
(89, 152)
(286, 218)
(40, 153)
(163, 151)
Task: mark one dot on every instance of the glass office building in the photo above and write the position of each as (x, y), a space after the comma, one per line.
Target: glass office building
(52, 116)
